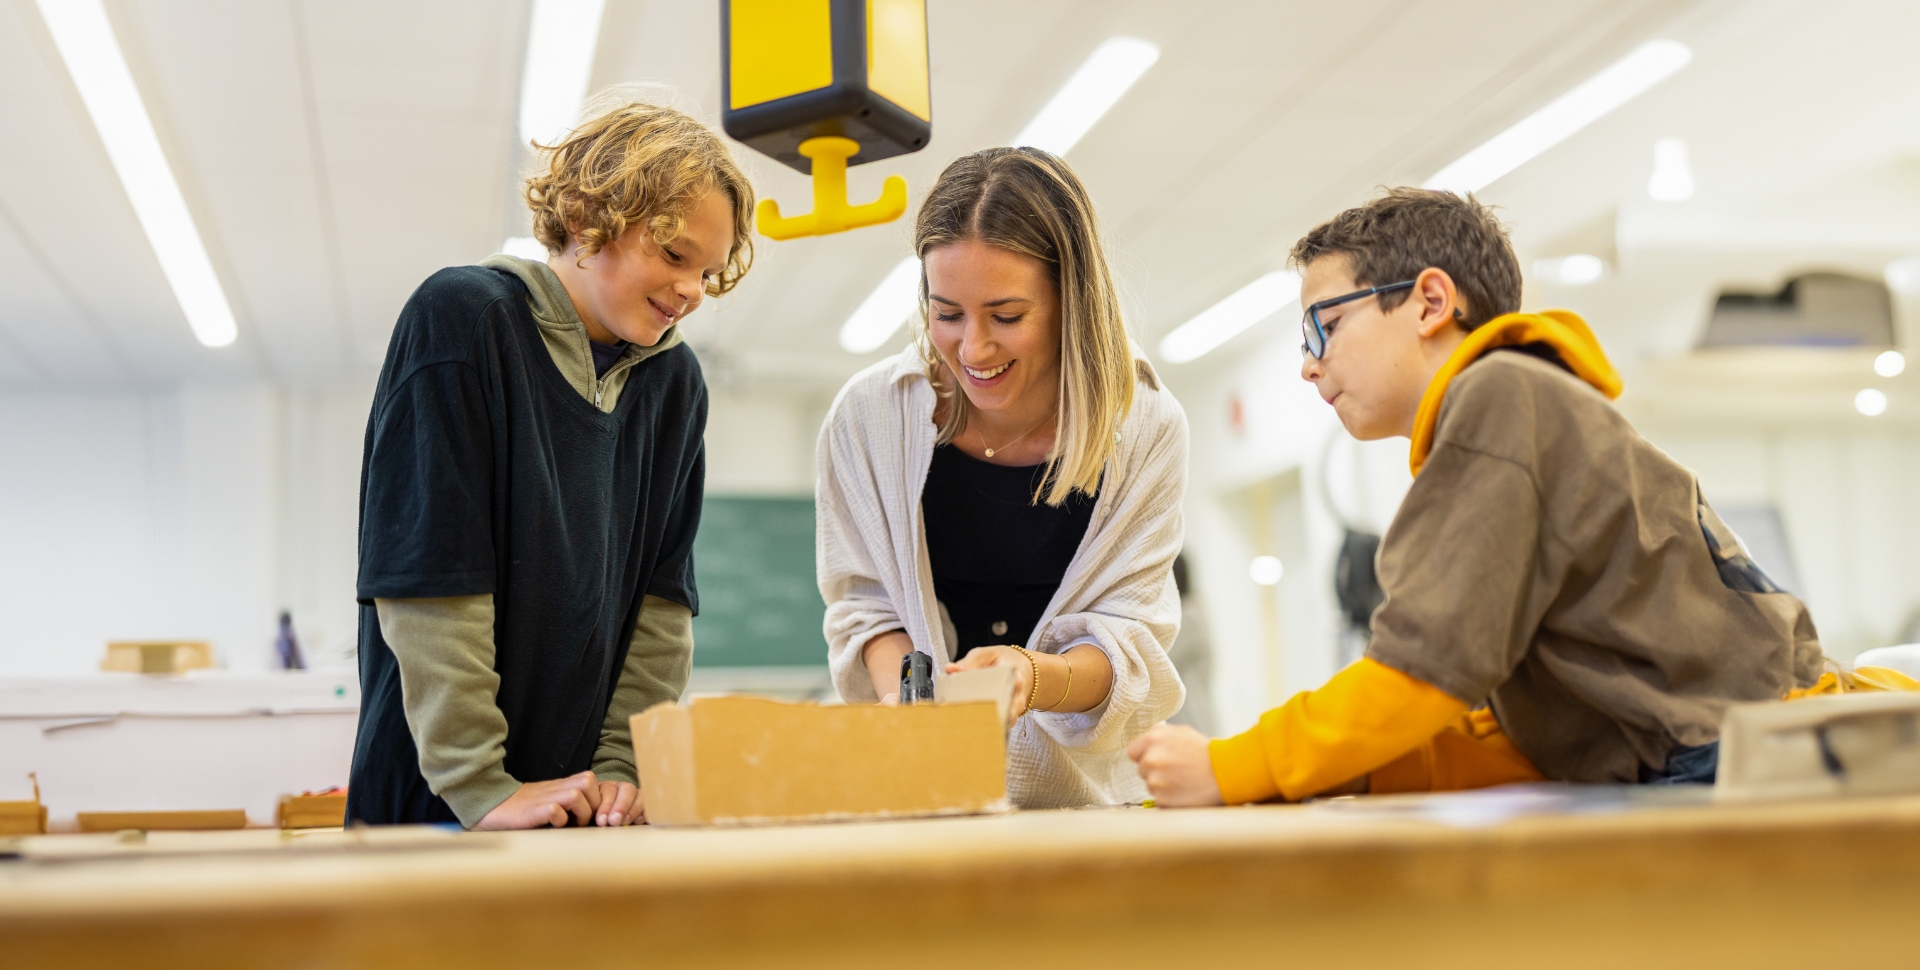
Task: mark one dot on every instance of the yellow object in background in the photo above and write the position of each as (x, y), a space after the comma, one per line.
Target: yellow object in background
(777, 49)
(157, 656)
(820, 85)
(897, 54)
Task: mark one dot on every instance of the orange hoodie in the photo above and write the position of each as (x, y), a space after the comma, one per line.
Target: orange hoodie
(1371, 718)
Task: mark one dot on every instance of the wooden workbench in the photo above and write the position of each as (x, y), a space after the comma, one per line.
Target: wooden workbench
(1814, 884)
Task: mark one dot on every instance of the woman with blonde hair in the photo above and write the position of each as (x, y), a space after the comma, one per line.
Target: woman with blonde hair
(1007, 491)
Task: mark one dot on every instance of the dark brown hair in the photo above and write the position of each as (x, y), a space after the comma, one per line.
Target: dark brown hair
(1028, 201)
(1406, 230)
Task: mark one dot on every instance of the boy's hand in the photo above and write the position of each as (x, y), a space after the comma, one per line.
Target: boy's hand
(541, 803)
(620, 804)
(1173, 761)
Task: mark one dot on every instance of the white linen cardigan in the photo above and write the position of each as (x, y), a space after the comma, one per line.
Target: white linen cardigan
(1118, 594)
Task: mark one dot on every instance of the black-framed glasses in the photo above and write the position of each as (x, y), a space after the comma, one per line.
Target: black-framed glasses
(1314, 333)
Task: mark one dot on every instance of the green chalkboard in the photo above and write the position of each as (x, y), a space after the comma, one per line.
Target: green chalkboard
(759, 605)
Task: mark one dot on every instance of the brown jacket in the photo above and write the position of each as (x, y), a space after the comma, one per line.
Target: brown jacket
(1550, 562)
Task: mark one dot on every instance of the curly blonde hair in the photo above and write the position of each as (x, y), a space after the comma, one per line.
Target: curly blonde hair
(633, 163)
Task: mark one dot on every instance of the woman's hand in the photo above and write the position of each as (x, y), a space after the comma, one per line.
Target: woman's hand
(1023, 671)
(882, 656)
(620, 804)
(1174, 762)
(538, 804)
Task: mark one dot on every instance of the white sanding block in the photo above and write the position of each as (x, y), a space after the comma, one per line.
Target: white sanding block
(995, 684)
(1845, 744)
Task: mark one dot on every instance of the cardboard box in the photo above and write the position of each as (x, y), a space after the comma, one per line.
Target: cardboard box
(750, 760)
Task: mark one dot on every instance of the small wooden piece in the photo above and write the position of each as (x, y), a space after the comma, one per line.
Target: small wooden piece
(157, 656)
(24, 818)
(191, 821)
(313, 811)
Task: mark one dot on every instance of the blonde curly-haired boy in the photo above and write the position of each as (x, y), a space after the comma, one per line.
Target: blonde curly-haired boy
(531, 487)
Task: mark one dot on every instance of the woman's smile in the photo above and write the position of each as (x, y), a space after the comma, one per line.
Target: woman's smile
(987, 377)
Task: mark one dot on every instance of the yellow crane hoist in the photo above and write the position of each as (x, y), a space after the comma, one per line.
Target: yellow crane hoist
(819, 85)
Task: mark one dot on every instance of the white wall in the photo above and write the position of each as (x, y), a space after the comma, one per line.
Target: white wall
(760, 442)
(192, 513)
(201, 512)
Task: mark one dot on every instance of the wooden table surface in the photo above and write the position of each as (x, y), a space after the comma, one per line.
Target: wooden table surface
(1809, 884)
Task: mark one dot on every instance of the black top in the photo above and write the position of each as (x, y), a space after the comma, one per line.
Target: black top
(484, 471)
(606, 355)
(997, 556)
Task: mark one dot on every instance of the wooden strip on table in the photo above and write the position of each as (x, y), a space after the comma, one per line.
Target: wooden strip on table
(193, 821)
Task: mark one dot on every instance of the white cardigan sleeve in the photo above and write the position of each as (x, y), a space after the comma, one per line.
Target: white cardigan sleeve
(1133, 607)
(859, 494)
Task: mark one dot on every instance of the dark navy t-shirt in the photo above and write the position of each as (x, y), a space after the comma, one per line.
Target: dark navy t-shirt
(485, 472)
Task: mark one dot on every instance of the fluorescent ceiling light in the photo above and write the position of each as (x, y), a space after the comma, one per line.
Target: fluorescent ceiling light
(1629, 77)
(1578, 269)
(525, 247)
(1672, 179)
(560, 43)
(1094, 88)
(1224, 320)
(1870, 402)
(85, 38)
(885, 309)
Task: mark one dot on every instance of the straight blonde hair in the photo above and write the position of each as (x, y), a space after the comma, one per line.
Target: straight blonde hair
(1028, 201)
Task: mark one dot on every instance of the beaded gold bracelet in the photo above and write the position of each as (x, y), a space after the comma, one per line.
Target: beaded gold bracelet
(1033, 693)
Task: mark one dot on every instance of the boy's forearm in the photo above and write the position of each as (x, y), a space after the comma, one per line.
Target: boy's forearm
(1364, 717)
(659, 661)
(444, 648)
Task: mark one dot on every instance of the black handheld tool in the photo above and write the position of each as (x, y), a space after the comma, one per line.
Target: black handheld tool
(916, 678)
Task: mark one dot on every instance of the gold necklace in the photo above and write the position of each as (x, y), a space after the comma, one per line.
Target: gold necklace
(990, 449)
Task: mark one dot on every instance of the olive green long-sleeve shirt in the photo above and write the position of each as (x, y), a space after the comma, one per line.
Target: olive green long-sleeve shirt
(445, 647)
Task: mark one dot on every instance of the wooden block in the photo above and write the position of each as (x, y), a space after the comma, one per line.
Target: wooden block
(23, 818)
(192, 821)
(749, 760)
(313, 811)
(157, 656)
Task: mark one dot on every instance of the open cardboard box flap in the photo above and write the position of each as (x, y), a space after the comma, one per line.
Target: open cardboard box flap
(752, 760)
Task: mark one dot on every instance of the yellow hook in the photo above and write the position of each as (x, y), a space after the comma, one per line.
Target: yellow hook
(831, 213)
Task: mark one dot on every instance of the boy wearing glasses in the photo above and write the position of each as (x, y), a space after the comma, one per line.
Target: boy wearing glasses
(1561, 601)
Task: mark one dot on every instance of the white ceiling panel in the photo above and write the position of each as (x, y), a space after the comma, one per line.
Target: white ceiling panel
(335, 154)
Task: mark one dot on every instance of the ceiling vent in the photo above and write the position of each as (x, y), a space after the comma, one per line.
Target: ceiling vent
(1812, 310)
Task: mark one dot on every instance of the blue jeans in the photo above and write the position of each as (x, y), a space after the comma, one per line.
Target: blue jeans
(1690, 765)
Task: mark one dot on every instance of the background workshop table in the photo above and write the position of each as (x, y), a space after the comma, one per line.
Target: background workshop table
(1812, 884)
(202, 740)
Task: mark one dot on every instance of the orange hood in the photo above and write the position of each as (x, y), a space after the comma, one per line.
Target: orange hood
(1563, 330)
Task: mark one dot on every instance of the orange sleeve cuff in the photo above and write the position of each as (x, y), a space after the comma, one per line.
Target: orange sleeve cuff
(1240, 768)
(1363, 718)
